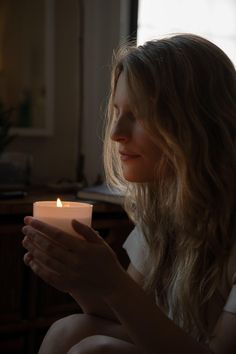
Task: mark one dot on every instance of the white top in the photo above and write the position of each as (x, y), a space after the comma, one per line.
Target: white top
(230, 305)
(137, 250)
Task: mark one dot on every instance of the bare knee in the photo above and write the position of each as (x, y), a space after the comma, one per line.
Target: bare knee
(96, 344)
(64, 333)
(73, 331)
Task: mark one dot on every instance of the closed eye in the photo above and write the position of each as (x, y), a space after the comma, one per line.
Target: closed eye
(127, 114)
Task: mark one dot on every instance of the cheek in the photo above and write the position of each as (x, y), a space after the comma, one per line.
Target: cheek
(151, 161)
(153, 157)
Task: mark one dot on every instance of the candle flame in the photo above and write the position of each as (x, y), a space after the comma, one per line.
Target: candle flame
(59, 203)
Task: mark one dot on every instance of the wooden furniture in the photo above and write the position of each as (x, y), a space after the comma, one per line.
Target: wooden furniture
(28, 306)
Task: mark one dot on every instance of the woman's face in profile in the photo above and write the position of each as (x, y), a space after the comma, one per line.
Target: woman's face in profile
(138, 154)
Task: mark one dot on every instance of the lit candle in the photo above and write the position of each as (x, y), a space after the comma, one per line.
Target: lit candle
(60, 214)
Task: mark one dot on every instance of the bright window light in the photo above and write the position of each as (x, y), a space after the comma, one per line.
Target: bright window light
(212, 19)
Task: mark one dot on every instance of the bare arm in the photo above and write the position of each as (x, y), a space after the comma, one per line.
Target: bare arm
(148, 327)
(224, 335)
(94, 305)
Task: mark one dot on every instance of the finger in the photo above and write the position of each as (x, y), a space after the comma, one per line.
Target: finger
(87, 232)
(58, 236)
(27, 258)
(48, 261)
(50, 277)
(51, 251)
(44, 243)
(38, 238)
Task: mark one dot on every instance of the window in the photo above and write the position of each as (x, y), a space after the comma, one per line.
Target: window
(212, 19)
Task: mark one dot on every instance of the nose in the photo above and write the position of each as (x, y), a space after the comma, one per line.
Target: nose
(121, 130)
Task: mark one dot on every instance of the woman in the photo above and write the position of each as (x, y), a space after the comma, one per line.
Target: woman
(170, 146)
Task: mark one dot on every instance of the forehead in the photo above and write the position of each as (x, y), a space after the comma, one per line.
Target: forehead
(121, 95)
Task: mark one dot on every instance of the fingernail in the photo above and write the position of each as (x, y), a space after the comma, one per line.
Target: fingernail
(25, 241)
(24, 230)
(28, 219)
(28, 258)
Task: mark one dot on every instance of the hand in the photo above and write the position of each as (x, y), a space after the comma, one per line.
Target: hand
(69, 263)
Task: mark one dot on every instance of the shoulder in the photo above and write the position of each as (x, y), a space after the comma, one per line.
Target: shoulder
(223, 338)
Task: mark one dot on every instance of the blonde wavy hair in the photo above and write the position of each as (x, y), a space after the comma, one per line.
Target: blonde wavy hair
(183, 89)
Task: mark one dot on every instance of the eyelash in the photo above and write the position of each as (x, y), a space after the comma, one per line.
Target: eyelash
(128, 115)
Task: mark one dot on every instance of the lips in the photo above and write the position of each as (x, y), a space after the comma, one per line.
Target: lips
(126, 155)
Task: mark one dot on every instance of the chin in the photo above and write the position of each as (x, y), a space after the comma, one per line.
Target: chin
(137, 176)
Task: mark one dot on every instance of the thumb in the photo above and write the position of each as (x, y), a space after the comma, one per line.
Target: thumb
(86, 232)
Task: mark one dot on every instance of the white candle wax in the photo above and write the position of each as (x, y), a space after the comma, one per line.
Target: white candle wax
(61, 216)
